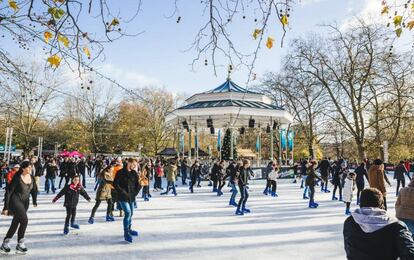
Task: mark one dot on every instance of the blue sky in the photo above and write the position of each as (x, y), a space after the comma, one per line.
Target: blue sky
(156, 57)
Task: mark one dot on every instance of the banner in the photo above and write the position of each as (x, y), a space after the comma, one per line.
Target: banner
(283, 142)
(290, 138)
(257, 144)
(219, 140)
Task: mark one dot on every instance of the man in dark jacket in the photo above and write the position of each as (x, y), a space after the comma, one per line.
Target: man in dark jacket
(399, 174)
(369, 233)
(127, 187)
(324, 167)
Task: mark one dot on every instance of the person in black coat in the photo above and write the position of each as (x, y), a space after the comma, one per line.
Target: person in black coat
(16, 204)
(399, 174)
(311, 182)
(370, 234)
(361, 172)
(51, 173)
(72, 192)
(195, 172)
(81, 169)
(127, 187)
(337, 179)
(215, 173)
(63, 172)
(324, 167)
(242, 182)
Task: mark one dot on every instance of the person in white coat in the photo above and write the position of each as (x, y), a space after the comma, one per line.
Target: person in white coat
(273, 175)
(348, 190)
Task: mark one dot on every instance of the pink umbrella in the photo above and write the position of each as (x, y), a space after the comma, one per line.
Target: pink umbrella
(64, 154)
(76, 154)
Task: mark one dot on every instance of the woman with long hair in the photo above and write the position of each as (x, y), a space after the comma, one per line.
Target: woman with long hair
(16, 204)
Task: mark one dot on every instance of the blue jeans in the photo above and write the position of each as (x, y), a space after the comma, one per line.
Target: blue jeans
(128, 209)
(170, 185)
(410, 225)
(183, 174)
(50, 183)
(233, 191)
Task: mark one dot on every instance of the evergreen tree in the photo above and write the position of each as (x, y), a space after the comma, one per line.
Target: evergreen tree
(225, 148)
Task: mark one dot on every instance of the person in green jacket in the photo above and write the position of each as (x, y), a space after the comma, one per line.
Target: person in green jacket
(171, 172)
(310, 182)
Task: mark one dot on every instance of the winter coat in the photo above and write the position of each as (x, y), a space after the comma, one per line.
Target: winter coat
(348, 189)
(195, 172)
(370, 234)
(360, 173)
(337, 176)
(273, 175)
(126, 185)
(171, 170)
(243, 177)
(71, 169)
(63, 169)
(311, 179)
(38, 168)
(324, 167)
(399, 172)
(71, 193)
(232, 173)
(215, 171)
(117, 168)
(376, 178)
(104, 191)
(404, 207)
(51, 171)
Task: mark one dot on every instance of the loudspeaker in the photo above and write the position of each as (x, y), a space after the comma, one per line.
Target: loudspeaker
(209, 122)
(212, 130)
(242, 130)
(185, 124)
(275, 125)
(268, 129)
(251, 123)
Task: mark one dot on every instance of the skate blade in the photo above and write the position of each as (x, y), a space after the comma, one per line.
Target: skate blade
(20, 253)
(4, 252)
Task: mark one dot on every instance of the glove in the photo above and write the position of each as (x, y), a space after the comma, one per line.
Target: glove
(54, 200)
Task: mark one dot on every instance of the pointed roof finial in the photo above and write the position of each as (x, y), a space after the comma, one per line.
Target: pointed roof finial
(229, 71)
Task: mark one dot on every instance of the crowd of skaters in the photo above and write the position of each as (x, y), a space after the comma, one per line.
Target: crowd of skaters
(119, 181)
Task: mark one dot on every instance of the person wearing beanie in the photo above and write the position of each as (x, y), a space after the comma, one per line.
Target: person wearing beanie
(404, 207)
(370, 233)
(377, 178)
(311, 182)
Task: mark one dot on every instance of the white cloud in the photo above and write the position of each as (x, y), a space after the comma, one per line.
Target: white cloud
(129, 78)
(368, 10)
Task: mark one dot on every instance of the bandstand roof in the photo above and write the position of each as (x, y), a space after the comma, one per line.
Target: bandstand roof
(228, 105)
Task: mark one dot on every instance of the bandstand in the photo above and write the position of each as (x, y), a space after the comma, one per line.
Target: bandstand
(229, 106)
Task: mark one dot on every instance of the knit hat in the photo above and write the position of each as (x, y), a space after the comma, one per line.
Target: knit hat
(378, 162)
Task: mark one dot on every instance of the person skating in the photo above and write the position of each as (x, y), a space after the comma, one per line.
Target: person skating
(215, 171)
(63, 172)
(183, 168)
(399, 175)
(159, 173)
(232, 174)
(242, 182)
(81, 169)
(144, 179)
(71, 193)
(324, 167)
(171, 171)
(127, 186)
(348, 190)
(273, 175)
(404, 207)
(51, 173)
(377, 179)
(361, 172)
(195, 173)
(221, 177)
(104, 193)
(16, 204)
(268, 170)
(337, 179)
(303, 174)
(311, 182)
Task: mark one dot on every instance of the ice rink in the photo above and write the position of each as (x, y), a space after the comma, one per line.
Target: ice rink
(194, 226)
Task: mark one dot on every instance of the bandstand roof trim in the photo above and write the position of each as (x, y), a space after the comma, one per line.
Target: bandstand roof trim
(230, 86)
(230, 103)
